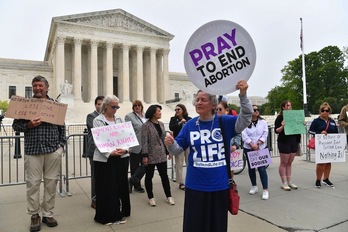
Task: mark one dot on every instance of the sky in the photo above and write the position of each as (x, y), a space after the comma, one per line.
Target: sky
(274, 26)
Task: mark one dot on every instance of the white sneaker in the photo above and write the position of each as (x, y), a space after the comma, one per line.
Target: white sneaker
(265, 195)
(253, 190)
(170, 201)
(152, 202)
(285, 187)
(292, 186)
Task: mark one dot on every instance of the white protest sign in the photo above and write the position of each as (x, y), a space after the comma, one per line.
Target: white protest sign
(259, 158)
(120, 135)
(330, 148)
(218, 55)
(236, 160)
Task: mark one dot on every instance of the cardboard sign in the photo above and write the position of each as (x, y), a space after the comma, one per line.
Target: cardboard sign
(259, 158)
(120, 135)
(294, 122)
(30, 108)
(236, 159)
(218, 55)
(330, 148)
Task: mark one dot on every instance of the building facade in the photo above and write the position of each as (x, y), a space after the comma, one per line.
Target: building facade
(101, 53)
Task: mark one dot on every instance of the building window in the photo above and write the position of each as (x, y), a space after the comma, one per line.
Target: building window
(28, 92)
(11, 91)
(176, 95)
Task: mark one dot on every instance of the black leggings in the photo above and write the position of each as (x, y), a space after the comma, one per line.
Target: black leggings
(162, 170)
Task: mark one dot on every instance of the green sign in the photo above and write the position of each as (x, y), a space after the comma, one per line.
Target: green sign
(294, 122)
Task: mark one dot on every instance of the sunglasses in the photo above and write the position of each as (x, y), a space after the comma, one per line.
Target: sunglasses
(219, 109)
(136, 105)
(256, 110)
(327, 111)
(114, 107)
(177, 109)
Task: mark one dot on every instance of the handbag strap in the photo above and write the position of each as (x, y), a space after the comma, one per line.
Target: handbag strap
(327, 124)
(227, 156)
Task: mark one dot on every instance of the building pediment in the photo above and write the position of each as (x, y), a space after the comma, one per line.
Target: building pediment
(115, 19)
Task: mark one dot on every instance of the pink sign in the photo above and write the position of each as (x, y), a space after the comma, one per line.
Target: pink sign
(236, 159)
(259, 158)
(120, 135)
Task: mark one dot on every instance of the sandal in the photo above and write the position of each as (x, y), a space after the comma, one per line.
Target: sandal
(181, 186)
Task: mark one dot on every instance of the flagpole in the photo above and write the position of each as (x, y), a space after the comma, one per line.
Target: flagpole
(305, 106)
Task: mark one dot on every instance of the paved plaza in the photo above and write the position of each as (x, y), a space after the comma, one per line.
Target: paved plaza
(305, 209)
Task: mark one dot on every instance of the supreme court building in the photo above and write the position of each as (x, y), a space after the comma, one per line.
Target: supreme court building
(100, 53)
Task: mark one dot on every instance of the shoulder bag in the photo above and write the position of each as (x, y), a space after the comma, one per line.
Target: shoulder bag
(234, 198)
(311, 142)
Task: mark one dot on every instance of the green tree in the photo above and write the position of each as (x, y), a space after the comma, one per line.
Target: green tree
(326, 78)
(3, 106)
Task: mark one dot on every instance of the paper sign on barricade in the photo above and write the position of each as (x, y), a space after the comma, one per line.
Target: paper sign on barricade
(120, 135)
(294, 122)
(259, 158)
(236, 159)
(218, 55)
(30, 108)
(330, 148)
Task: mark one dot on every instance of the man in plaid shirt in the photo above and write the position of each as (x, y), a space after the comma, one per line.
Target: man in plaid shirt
(43, 144)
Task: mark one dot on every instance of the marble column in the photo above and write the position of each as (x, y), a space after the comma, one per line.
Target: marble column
(77, 69)
(153, 76)
(93, 78)
(159, 71)
(59, 70)
(165, 75)
(139, 89)
(108, 67)
(125, 73)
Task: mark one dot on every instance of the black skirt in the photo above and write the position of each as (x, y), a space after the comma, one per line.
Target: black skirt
(111, 186)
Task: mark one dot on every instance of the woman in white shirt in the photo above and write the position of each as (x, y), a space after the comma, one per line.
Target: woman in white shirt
(255, 138)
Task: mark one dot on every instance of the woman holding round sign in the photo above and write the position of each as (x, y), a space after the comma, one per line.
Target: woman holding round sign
(255, 138)
(207, 189)
(288, 146)
(323, 125)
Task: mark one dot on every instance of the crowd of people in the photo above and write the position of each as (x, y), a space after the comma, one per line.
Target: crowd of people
(197, 141)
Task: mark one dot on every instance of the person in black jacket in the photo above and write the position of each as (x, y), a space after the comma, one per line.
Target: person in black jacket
(323, 124)
(91, 145)
(175, 125)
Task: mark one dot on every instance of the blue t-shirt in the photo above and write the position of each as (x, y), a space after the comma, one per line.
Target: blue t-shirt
(206, 168)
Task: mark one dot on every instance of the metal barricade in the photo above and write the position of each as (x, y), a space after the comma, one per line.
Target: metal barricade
(11, 165)
(74, 165)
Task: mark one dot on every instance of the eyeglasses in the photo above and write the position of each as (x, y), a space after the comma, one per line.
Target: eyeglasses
(136, 105)
(256, 110)
(177, 109)
(327, 111)
(219, 109)
(114, 107)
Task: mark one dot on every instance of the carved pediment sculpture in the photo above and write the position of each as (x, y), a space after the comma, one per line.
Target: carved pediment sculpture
(114, 19)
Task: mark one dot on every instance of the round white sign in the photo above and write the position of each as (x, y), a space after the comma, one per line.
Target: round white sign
(218, 55)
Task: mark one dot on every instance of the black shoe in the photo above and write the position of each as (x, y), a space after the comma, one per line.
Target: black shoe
(35, 223)
(139, 190)
(317, 184)
(49, 221)
(327, 182)
(130, 185)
